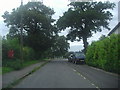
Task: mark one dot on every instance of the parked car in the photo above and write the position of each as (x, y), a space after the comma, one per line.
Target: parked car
(78, 57)
(70, 58)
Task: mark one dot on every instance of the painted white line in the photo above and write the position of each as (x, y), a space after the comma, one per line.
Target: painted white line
(74, 70)
(84, 77)
(78, 73)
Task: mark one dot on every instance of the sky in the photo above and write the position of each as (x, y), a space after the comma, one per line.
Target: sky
(59, 6)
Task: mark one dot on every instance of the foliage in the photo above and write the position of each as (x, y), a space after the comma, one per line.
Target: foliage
(38, 31)
(6, 70)
(102, 37)
(105, 54)
(13, 43)
(28, 53)
(59, 48)
(15, 65)
(84, 18)
(8, 44)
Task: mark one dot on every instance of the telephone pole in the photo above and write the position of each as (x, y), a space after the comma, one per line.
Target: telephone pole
(21, 35)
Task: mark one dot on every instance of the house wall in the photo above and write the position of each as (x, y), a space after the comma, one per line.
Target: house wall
(117, 31)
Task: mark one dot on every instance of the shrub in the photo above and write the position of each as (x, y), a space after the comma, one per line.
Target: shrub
(104, 54)
(28, 53)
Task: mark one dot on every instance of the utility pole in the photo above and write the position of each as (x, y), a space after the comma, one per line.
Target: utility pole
(21, 35)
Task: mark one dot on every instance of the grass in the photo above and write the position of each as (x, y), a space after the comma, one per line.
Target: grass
(28, 63)
(19, 80)
(0, 70)
(4, 70)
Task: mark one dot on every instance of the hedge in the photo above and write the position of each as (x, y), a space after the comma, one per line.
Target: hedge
(104, 54)
(7, 44)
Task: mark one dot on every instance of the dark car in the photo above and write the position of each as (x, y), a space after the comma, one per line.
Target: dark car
(78, 58)
(70, 58)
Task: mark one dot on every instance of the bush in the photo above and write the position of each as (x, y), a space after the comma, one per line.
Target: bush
(28, 53)
(104, 54)
(15, 64)
(8, 44)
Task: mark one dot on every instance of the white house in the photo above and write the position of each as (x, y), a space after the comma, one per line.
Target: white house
(116, 30)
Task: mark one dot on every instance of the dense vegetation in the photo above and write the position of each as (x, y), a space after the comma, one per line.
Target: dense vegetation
(40, 36)
(41, 39)
(104, 54)
(85, 18)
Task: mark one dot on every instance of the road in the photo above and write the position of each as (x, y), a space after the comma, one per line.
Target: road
(61, 74)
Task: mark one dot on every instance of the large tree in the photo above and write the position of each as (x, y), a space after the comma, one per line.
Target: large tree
(84, 18)
(38, 30)
(59, 48)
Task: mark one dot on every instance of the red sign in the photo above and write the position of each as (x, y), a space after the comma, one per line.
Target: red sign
(10, 53)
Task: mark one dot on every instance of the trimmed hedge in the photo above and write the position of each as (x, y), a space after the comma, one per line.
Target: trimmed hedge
(104, 54)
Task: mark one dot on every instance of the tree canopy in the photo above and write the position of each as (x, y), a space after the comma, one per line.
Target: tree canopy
(85, 18)
(38, 30)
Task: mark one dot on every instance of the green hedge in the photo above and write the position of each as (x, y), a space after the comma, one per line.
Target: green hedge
(104, 54)
(7, 44)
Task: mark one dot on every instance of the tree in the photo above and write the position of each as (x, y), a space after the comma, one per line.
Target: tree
(84, 18)
(59, 48)
(102, 37)
(38, 30)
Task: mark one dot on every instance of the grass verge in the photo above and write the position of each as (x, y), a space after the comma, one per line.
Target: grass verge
(6, 70)
(19, 80)
(18, 66)
(0, 70)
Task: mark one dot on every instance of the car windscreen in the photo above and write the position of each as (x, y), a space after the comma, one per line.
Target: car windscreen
(79, 55)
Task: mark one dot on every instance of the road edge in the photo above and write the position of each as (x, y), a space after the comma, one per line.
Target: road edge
(11, 85)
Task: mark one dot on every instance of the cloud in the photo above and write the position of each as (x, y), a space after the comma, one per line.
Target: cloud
(59, 6)
(76, 48)
(3, 29)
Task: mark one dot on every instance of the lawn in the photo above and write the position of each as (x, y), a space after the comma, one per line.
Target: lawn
(28, 63)
(4, 70)
(0, 70)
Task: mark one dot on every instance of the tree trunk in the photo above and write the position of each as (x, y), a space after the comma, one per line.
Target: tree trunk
(85, 43)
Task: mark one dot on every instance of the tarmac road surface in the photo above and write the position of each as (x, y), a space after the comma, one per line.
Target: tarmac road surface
(59, 73)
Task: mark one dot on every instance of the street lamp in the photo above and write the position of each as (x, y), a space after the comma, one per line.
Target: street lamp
(21, 34)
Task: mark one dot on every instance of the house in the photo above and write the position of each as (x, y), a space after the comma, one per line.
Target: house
(116, 30)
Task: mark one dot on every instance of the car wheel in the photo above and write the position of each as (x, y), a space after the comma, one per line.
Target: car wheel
(75, 62)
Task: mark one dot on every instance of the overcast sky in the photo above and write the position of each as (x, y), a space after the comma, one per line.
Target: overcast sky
(59, 6)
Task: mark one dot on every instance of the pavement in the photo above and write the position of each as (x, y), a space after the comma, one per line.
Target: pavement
(10, 77)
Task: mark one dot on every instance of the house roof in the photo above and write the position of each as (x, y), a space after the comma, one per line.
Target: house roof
(118, 25)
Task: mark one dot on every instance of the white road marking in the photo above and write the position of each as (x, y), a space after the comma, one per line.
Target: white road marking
(84, 77)
(74, 70)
